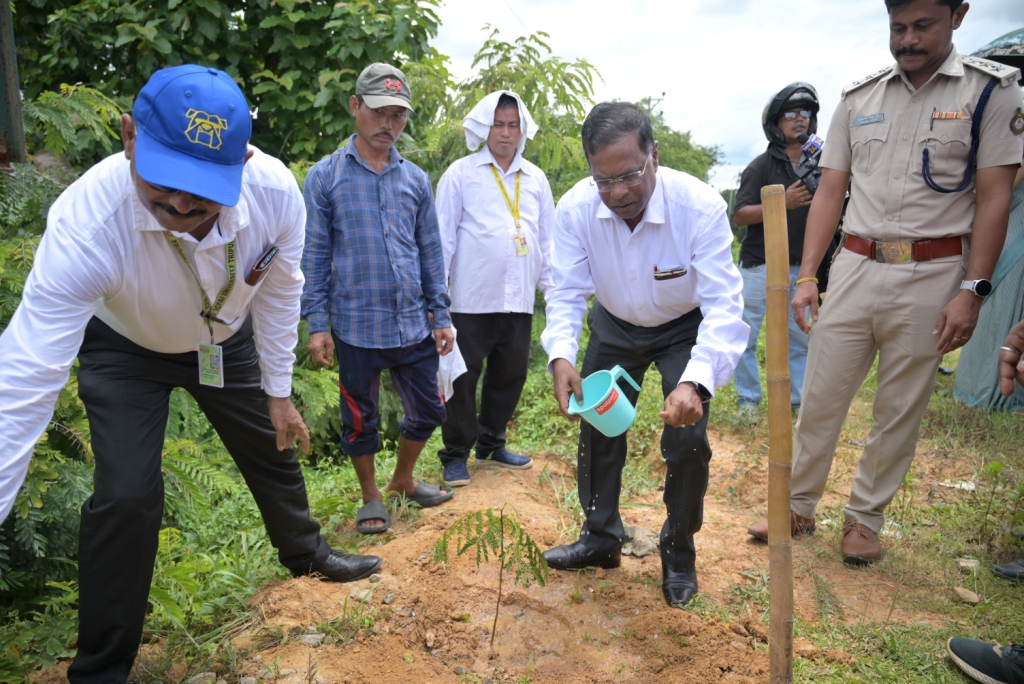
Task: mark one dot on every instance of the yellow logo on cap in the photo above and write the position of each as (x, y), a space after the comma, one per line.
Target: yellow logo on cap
(204, 129)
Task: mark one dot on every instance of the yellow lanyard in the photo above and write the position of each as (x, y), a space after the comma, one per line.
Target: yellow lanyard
(210, 309)
(514, 208)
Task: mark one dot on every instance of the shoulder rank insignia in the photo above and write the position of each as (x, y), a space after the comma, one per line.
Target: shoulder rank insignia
(867, 79)
(1017, 122)
(1007, 75)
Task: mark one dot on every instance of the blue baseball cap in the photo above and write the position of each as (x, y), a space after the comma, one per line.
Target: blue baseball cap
(193, 128)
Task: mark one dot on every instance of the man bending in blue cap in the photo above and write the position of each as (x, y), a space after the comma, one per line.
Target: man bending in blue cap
(174, 264)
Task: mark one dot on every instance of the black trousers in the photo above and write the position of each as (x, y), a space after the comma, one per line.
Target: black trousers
(614, 342)
(504, 340)
(126, 390)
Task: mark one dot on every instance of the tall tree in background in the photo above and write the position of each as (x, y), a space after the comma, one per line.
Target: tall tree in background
(557, 92)
(297, 60)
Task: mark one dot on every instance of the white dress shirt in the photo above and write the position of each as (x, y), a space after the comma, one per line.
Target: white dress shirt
(485, 274)
(684, 226)
(104, 254)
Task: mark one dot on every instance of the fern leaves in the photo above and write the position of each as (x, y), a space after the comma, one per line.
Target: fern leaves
(499, 535)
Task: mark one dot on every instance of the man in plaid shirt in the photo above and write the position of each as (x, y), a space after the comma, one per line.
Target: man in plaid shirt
(375, 294)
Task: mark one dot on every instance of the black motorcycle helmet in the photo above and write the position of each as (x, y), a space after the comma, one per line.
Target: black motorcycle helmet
(797, 94)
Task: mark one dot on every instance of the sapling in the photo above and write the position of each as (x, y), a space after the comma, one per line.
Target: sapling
(486, 533)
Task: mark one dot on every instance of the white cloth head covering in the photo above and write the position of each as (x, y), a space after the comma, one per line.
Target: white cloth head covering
(478, 124)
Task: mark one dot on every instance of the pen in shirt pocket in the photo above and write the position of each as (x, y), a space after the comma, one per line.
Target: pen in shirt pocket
(668, 273)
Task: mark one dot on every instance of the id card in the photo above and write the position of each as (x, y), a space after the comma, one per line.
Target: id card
(522, 249)
(211, 365)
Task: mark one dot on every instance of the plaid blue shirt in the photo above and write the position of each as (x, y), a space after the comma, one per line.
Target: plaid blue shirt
(372, 260)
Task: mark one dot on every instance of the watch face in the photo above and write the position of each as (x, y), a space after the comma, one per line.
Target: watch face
(982, 288)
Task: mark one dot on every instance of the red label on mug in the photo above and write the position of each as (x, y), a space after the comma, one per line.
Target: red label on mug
(605, 405)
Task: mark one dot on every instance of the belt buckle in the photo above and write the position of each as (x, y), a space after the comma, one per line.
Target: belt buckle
(894, 252)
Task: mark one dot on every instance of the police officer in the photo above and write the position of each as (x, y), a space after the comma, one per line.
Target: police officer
(931, 145)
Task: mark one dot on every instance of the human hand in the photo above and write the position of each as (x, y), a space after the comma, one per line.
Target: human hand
(683, 406)
(444, 341)
(321, 347)
(288, 424)
(806, 296)
(956, 321)
(567, 379)
(797, 196)
(1011, 365)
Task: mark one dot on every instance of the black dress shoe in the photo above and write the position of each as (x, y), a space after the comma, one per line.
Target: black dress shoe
(578, 555)
(1010, 571)
(678, 587)
(343, 567)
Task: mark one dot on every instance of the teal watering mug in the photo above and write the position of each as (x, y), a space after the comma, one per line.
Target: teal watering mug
(605, 407)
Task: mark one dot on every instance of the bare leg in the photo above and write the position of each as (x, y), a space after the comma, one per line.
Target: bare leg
(366, 472)
(401, 482)
(408, 453)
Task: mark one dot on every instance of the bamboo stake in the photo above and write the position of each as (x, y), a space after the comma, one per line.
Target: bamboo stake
(780, 437)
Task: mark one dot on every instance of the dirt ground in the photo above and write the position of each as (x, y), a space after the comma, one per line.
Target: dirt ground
(433, 625)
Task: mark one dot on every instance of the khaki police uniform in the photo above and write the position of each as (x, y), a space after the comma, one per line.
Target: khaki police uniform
(878, 134)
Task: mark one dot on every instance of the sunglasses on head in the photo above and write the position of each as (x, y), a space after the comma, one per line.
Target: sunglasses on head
(171, 191)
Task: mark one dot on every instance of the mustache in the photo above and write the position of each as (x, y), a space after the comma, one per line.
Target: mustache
(910, 51)
(387, 133)
(177, 214)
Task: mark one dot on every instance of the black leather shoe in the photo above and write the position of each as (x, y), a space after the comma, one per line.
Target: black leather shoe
(1010, 571)
(578, 555)
(678, 587)
(343, 567)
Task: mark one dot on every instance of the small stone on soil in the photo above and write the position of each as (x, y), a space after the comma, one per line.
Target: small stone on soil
(968, 564)
(388, 599)
(374, 579)
(311, 640)
(429, 640)
(286, 672)
(247, 680)
(967, 596)
(361, 595)
(204, 678)
(459, 670)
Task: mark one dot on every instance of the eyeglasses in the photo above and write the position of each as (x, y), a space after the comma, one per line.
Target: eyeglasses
(629, 180)
(172, 190)
(802, 113)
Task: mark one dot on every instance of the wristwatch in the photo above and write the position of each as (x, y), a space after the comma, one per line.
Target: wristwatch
(702, 391)
(982, 288)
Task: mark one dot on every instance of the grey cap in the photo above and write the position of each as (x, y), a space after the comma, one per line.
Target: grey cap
(382, 85)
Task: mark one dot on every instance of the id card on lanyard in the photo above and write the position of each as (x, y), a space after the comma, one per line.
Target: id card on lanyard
(522, 247)
(211, 356)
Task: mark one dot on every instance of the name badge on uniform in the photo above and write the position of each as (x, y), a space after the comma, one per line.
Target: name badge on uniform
(874, 118)
(522, 248)
(211, 365)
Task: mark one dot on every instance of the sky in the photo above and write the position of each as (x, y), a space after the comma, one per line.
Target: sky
(716, 61)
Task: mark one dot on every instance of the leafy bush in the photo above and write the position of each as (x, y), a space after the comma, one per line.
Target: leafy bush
(296, 60)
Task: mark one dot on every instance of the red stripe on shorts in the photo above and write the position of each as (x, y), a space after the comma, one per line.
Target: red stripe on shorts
(357, 418)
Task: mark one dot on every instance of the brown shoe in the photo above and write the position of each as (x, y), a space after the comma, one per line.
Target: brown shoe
(860, 545)
(798, 527)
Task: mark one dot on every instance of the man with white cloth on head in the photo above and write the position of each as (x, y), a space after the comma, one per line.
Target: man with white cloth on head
(654, 246)
(496, 217)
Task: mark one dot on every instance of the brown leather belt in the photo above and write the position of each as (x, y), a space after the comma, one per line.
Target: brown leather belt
(904, 252)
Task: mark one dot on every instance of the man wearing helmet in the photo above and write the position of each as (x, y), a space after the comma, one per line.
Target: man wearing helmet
(791, 112)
